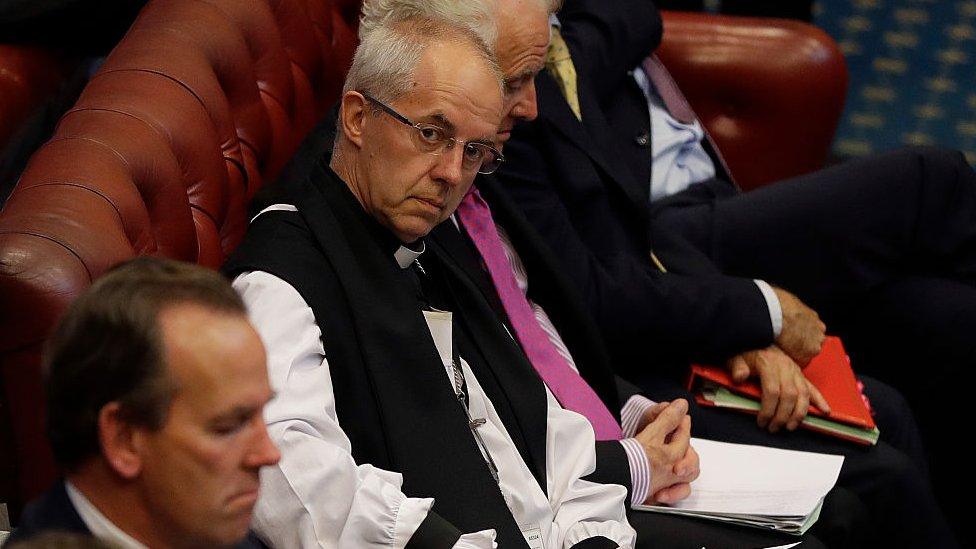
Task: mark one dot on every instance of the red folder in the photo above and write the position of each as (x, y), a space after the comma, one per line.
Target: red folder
(830, 372)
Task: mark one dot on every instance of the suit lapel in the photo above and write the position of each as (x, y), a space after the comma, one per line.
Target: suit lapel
(554, 110)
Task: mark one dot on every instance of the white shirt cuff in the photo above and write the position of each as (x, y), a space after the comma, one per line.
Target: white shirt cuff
(640, 471)
(775, 310)
(410, 513)
(485, 539)
(632, 412)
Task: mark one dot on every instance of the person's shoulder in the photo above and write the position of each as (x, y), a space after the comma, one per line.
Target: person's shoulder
(51, 512)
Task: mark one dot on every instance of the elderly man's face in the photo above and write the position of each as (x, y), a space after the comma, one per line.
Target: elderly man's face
(199, 472)
(523, 42)
(406, 189)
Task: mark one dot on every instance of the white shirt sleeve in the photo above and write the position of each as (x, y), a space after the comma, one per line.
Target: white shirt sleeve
(583, 509)
(772, 302)
(317, 495)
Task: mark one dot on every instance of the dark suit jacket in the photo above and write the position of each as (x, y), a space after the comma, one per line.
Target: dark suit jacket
(54, 512)
(585, 187)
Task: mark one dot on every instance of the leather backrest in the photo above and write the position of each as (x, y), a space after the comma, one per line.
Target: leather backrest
(770, 91)
(201, 103)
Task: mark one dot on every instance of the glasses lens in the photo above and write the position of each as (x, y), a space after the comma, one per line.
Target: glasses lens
(491, 162)
(431, 139)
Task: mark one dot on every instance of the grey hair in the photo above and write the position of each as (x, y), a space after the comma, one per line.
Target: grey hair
(388, 55)
(475, 16)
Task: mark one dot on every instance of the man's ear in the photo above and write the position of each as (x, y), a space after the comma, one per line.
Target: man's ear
(120, 441)
(352, 117)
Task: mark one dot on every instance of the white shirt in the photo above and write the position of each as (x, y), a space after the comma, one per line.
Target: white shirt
(317, 495)
(97, 523)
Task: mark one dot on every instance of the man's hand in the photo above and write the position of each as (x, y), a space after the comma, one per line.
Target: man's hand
(666, 441)
(786, 392)
(803, 332)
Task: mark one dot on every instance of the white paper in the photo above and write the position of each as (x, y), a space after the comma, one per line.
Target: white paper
(742, 479)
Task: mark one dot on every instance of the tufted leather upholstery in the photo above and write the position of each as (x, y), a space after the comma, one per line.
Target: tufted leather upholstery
(200, 103)
(205, 100)
(769, 89)
(27, 75)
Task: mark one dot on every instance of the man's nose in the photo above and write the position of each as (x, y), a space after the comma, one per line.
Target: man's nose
(448, 167)
(263, 450)
(526, 107)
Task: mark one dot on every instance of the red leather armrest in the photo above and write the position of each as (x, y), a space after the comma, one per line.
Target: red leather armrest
(770, 91)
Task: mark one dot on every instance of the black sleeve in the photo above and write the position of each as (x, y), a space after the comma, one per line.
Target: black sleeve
(598, 542)
(434, 532)
(612, 466)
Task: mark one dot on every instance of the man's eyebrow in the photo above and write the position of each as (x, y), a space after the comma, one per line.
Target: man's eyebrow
(441, 120)
(484, 141)
(528, 72)
(241, 411)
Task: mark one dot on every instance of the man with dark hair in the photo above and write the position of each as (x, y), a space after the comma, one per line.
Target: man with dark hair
(155, 384)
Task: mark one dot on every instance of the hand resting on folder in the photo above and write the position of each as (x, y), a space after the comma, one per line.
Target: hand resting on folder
(786, 392)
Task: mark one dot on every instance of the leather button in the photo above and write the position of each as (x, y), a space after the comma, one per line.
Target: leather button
(643, 139)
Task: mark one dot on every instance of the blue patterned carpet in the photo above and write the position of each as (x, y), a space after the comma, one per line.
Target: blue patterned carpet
(912, 70)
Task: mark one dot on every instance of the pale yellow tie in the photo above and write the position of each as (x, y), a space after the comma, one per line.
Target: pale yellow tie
(560, 66)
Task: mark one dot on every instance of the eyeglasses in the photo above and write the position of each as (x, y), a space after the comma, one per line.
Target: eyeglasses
(434, 140)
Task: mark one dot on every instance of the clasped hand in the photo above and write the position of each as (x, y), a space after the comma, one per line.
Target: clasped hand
(665, 435)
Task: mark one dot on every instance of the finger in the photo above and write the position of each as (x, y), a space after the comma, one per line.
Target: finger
(669, 419)
(673, 493)
(739, 369)
(687, 468)
(818, 399)
(655, 410)
(802, 404)
(769, 382)
(787, 403)
(680, 440)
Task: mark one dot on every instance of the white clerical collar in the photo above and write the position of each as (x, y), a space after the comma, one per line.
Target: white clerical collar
(405, 256)
(100, 527)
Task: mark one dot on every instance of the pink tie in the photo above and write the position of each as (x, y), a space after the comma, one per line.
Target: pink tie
(570, 389)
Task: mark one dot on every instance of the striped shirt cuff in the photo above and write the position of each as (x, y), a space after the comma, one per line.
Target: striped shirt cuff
(640, 471)
(632, 412)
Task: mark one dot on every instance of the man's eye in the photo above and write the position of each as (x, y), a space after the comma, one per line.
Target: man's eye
(473, 153)
(227, 427)
(432, 134)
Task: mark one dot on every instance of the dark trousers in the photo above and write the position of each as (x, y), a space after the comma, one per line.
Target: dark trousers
(884, 248)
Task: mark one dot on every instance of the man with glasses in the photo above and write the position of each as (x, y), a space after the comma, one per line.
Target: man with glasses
(404, 415)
